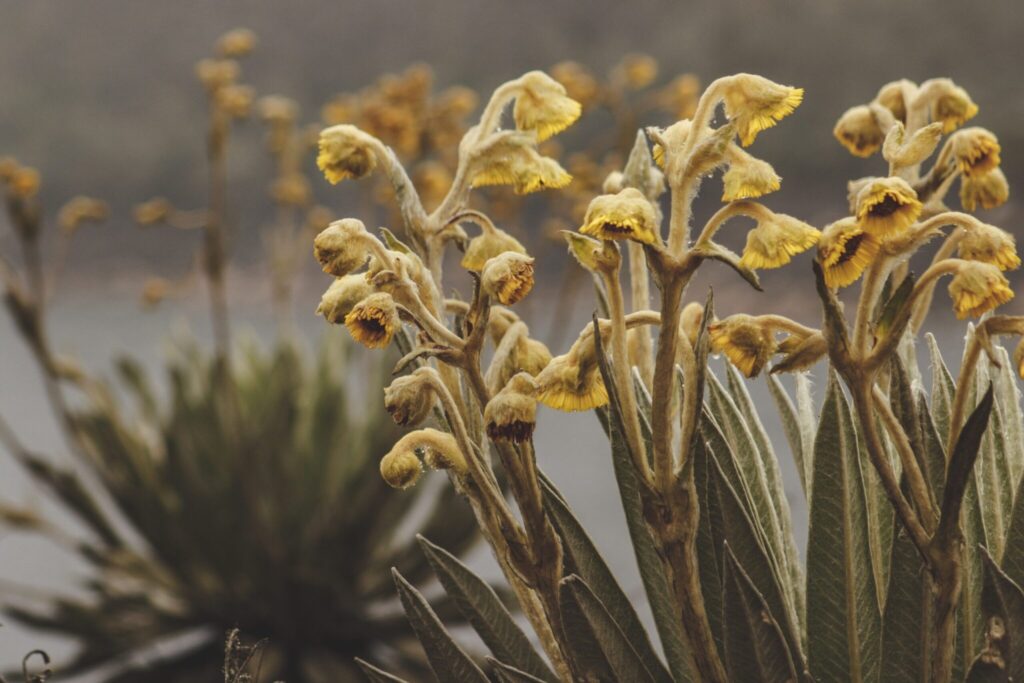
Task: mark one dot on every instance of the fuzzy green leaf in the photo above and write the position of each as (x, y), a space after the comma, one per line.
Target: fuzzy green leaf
(903, 623)
(449, 662)
(584, 647)
(791, 425)
(485, 612)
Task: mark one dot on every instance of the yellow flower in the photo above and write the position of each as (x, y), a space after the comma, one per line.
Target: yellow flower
(859, 132)
(755, 104)
(748, 177)
(542, 106)
(400, 468)
(215, 74)
(978, 288)
(511, 414)
(637, 71)
(626, 215)
(236, 43)
(508, 277)
(775, 240)
(512, 159)
(342, 296)
(345, 152)
(845, 250)
(579, 83)
(278, 109)
(341, 247)
(291, 189)
(953, 107)
(988, 190)
(80, 210)
(570, 384)
(989, 244)
(886, 206)
(488, 244)
(976, 151)
(23, 181)
(373, 321)
(745, 342)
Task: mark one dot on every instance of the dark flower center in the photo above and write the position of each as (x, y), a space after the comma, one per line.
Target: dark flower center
(886, 207)
(850, 248)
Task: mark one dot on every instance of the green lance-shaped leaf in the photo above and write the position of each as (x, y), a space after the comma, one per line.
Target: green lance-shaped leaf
(943, 388)
(509, 674)
(843, 614)
(1013, 557)
(791, 425)
(1003, 606)
(587, 562)
(710, 535)
(375, 675)
(755, 649)
(624, 661)
(776, 489)
(449, 662)
(892, 307)
(652, 573)
(482, 608)
(904, 624)
(583, 645)
(934, 446)
(1008, 398)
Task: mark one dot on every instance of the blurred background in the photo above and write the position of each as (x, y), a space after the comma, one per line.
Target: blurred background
(102, 98)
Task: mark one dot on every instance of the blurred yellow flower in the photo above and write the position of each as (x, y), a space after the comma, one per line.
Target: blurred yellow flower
(953, 107)
(236, 43)
(989, 244)
(400, 468)
(988, 190)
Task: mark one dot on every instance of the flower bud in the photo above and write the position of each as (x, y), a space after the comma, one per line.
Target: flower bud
(508, 277)
(755, 104)
(988, 190)
(626, 215)
(886, 206)
(636, 71)
(345, 152)
(341, 247)
(579, 83)
(22, 181)
(82, 210)
(236, 43)
(373, 321)
(342, 296)
(156, 210)
(440, 450)
(215, 74)
(542, 106)
(235, 100)
(511, 414)
(989, 244)
(278, 110)
(409, 399)
(977, 288)
(400, 468)
(747, 344)
(858, 131)
(674, 137)
(800, 352)
(901, 152)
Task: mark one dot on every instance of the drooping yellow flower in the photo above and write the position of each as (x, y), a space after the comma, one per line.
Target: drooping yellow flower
(953, 107)
(23, 181)
(775, 240)
(342, 296)
(373, 321)
(755, 104)
(542, 106)
(82, 210)
(291, 189)
(747, 344)
(891, 96)
(636, 71)
(513, 160)
(989, 244)
(859, 132)
(236, 43)
(278, 110)
(215, 74)
(488, 244)
(626, 215)
(886, 206)
(341, 247)
(508, 277)
(511, 414)
(156, 210)
(345, 152)
(400, 468)
(579, 83)
(845, 250)
(988, 190)
(748, 177)
(571, 383)
(978, 288)
(410, 398)
(976, 151)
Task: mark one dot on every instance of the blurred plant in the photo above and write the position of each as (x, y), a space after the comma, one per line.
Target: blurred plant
(243, 495)
(914, 561)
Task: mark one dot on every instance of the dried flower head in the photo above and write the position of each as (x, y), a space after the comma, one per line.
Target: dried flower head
(845, 250)
(952, 106)
(341, 247)
(215, 74)
(488, 244)
(441, 451)
(236, 43)
(511, 414)
(977, 288)
(579, 83)
(976, 151)
(342, 296)
(508, 277)
(858, 131)
(636, 71)
(988, 190)
(748, 177)
(989, 244)
(543, 106)
(82, 210)
(235, 100)
(291, 189)
(513, 160)
(747, 343)
(278, 110)
(345, 152)
(154, 290)
(775, 240)
(401, 468)
(626, 215)
(409, 399)
(886, 206)
(755, 103)
(373, 321)
(570, 383)
(156, 210)
(22, 181)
